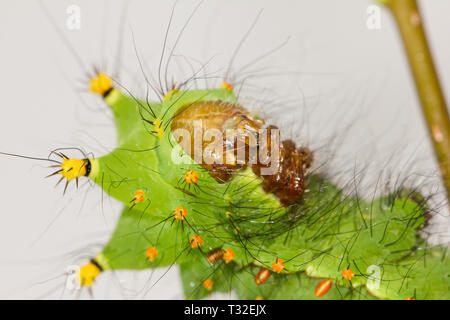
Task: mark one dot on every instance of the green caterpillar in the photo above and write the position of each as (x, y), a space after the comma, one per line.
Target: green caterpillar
(232, 234)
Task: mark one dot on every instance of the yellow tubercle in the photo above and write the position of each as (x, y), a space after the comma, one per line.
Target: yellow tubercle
(159, 130)
(170, 94)
(100, 84)
(74, 168)
(88, 273)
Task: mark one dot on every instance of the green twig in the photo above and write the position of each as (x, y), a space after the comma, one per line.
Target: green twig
(409, 22)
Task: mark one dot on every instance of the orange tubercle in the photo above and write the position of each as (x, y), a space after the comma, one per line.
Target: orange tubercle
(196, 241)
(228, 255)
(208, 284)
(278, 265)
(151, 253)
(180, 213)
(227, 86)
(139, 197)
(191, 177)
(348, 274)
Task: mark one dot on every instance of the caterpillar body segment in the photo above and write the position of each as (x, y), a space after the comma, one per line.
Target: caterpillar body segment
(425, 276)
(234, 208)
(401, 272)
(135, 234)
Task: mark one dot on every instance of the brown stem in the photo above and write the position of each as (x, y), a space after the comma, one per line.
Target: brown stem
(409, 22)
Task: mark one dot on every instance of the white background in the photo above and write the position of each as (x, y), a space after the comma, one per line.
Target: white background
(333, 79)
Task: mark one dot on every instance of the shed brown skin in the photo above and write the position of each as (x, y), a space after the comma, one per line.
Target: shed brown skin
(288, 180)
